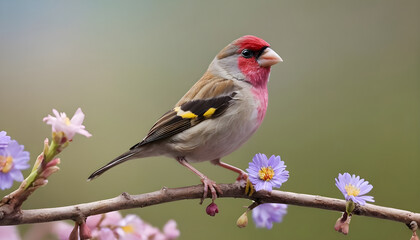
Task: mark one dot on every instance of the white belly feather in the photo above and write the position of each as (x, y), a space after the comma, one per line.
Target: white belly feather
(216, 138)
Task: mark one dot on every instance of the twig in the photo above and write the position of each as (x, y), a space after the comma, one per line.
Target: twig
(126, 201)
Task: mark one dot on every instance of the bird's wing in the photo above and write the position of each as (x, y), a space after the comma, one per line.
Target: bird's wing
(187, 115)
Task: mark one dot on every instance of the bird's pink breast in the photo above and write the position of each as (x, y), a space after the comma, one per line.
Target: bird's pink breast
(261, 95)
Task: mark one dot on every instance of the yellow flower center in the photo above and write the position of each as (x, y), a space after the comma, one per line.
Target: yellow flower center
(6, 163)
(128, 229)
(352, 190)
(67, 121)
(266, 173)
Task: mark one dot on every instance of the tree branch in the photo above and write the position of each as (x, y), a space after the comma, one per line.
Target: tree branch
(125, 201)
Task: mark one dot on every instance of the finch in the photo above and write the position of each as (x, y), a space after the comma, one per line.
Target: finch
(216, 116)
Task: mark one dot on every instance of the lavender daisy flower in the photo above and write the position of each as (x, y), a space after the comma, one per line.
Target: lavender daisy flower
(12, 161)
(61, 123)
(354, 188)
(265, 214)
(4, 140)
(265, 173)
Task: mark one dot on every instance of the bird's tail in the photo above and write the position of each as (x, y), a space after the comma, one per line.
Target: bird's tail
(120, 159)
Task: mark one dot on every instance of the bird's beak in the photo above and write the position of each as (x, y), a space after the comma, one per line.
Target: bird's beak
(269, 58)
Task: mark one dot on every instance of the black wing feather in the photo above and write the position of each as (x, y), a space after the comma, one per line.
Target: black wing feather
(172, 123)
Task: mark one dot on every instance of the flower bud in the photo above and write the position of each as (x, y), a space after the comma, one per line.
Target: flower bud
(40, 182)
(47, 172)
(46, 146)
(74, 233)
(242, 220)
(212, 209)
(38, 162)
(343, 224)
(53, 162)
(414, 237)
(85, 232)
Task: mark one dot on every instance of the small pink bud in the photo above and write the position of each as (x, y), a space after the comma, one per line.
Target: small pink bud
(75, 232)
(343, 224)
(39, 160)
(40, 182)
(47, 172)
(414, 237)
(85, 232)
(53, 162)
(46, 146)
(212, 209)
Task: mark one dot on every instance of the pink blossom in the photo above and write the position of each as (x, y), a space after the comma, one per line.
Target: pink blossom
(9, 233)
(111, 226)
(61, 123)
(103, 220)
(62, 230)
(100, 225)
(132, 227)
(106, 234)
(170, 230)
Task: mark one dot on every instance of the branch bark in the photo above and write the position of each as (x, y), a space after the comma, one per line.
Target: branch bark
(125, 201)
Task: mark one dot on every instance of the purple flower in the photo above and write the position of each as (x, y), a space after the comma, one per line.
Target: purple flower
(265, 173)
(61, 123)
(354, 188)
(265, 214)
(4, 140)
(12, 161)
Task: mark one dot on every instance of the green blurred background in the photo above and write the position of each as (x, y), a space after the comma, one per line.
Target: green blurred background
(345, 99)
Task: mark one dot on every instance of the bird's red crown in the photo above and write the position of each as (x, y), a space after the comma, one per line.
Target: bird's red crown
(251, 42)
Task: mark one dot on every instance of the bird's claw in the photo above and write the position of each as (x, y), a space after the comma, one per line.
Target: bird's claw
(214, 189)
(243, 177)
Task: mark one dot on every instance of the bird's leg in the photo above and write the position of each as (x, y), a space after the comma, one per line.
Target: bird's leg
(243, 176)
(208, 183)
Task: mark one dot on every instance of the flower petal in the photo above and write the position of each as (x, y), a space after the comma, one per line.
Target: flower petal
(266, 214)
(16, 175)
(78, 117)
(6, 181)
(61, 123)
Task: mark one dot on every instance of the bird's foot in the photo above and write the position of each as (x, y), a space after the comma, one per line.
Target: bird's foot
(243, 177)
(214, 189)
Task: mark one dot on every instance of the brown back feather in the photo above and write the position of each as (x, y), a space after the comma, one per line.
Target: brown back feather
(208, 86)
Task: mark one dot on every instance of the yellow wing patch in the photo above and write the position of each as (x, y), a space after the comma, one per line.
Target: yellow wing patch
(183, 114)
(188, 114)
(209, 112)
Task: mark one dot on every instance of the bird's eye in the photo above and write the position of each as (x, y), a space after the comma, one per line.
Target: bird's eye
(247, 53)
